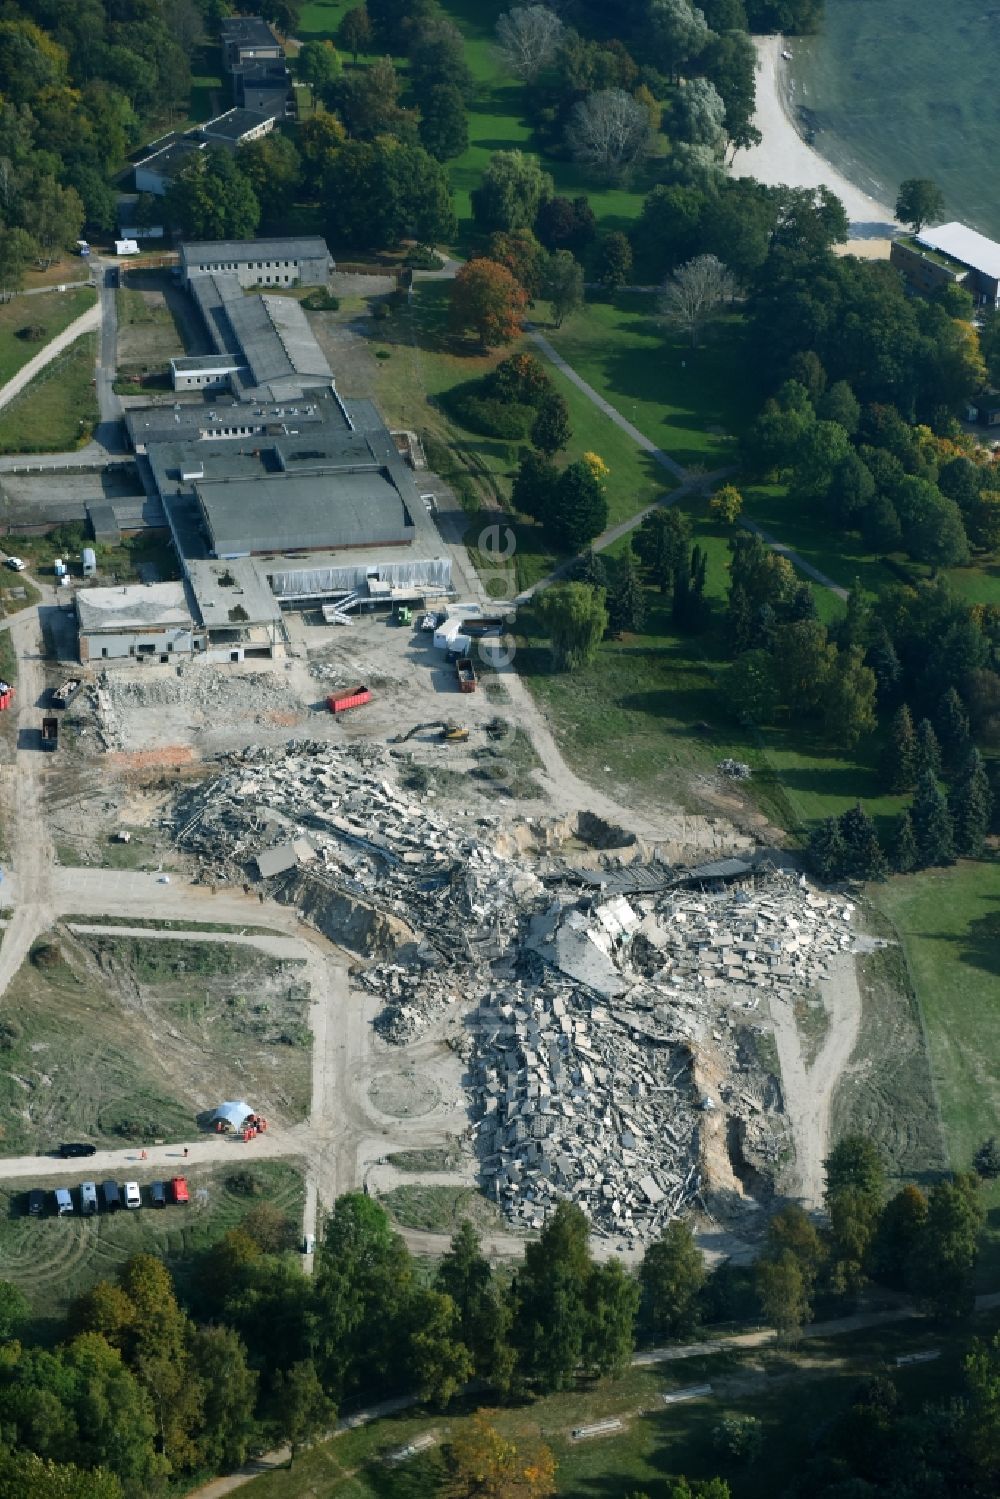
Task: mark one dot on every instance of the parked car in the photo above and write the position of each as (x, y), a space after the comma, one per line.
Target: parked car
(76, 1148)
(88, 1197)
(16, 564)
(63, 1201)
(158, 1195)
(111, 1197)
(36, 1202)
(133, 1197)
(179, 1189)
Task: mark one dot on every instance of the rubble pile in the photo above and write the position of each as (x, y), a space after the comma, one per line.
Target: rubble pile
(584, 1080)
(582, 1015)
(247, 696)
(576, 1101)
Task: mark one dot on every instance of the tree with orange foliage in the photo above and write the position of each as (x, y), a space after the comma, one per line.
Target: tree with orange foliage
(488, 1465)
(486, 297)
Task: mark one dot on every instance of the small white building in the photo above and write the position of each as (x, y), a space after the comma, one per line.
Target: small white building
(139, 620)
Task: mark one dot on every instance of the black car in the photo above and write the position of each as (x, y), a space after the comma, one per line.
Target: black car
(75, 1148)
(36, 1203)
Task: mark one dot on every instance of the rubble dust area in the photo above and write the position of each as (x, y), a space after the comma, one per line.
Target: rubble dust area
(583, 1017)
(163, 707)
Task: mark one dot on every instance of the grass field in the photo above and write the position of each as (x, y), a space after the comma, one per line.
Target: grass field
(51, 1260)
(690, 402)
(58, 410)
(439, 1209)
(795, 1395)
(48, 313)
(949, 922)
(120, 1039)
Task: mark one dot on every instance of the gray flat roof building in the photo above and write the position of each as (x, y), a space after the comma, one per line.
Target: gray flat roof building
(305, 254)
(303, 512)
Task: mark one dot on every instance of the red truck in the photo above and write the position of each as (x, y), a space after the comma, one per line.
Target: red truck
(466, 673)
(353, 699)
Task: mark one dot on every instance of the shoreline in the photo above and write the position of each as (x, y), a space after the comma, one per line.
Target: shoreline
(785, 158)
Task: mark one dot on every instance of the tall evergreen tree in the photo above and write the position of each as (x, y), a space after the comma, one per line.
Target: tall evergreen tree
(865, 859)
(971, 806)
(828, 851)
(884, 662)
(952, 725)
(903, 848)
(932, 822)
(661, 542)
(899, 761)
(591, 568)
(626, 600)
(928, 752)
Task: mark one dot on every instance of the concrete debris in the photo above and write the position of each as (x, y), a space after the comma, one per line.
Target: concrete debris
(582, 1018)
(736, 770)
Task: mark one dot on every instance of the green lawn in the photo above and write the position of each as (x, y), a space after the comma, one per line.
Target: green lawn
(690, 402)
(949, 922)
(795, 1395)
(46, 315)
(425, 362)
(58, 409)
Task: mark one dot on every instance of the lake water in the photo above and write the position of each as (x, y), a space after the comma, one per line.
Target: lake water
(908, 88)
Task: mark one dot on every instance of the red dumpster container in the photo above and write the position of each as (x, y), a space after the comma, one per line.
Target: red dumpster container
(353, 699)
(6, 695)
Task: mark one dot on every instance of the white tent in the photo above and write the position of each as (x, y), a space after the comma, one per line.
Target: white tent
(233, 1114)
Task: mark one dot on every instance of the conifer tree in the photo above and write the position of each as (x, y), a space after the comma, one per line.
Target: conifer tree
(591, 569)
(952, 725)
(884, 662)
(971, 806)
(903, 848)
(828, 851)
(928, 753)
(899, 762)
(932, 823)
(626, 600)
(865, 859)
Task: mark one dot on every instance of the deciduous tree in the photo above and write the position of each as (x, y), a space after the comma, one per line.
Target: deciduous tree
(301, 1410)
(355, 31)
(486, 298)
(562, 284)
(693, 295)
(318, 65)
(609, 131)
(509, 195)
(575, 617)
(551, 430)
(726, 504)
(671, 1277)
(485, 1465)
(919, 202)
(783, 1296)
(528, 39)
(580, 510)
(614, 260)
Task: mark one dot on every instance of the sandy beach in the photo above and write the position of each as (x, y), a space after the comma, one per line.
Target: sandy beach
(784, 157)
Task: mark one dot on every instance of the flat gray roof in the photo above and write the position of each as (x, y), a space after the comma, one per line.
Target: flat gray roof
(216, 251)
(235, 123)
(224, 588)
(169, 160)
(134, 607)
(187, 364)
(250, 30)
(275, 338)
(964, 244)
(282, 512)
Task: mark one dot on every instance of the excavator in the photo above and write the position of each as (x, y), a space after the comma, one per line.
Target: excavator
(448, 733)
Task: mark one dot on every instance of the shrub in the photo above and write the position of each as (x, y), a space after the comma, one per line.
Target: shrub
(423, 258)
(243, 1184)
(488, 416)
(381, 311)
(32, 333)
(382, 354)
(519, 380)
(321, 301)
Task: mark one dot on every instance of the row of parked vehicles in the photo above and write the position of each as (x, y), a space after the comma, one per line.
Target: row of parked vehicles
(109, 1196)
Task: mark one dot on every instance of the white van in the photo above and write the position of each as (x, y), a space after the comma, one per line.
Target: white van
(88, 1197)
(133, 1197)
(64, 1202)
